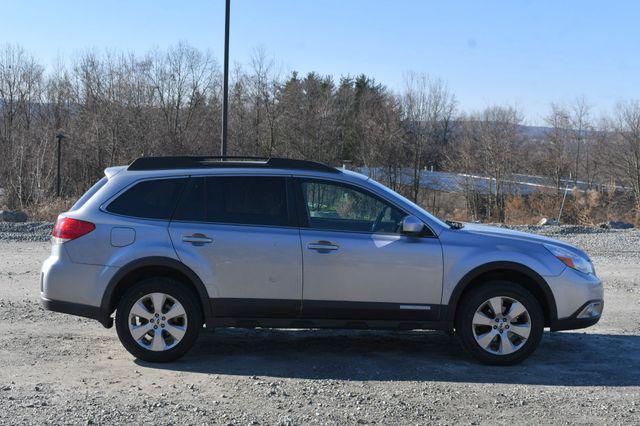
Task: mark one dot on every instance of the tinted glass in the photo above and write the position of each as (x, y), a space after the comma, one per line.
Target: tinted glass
(243, 200)
(90, 193)
(149, 199)
(338, 207)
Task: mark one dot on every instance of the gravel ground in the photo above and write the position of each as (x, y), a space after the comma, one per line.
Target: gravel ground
(26, 231)
(61, 369)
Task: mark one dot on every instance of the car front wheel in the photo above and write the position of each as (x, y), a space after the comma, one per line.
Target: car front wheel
(500, 323)
(158, 320)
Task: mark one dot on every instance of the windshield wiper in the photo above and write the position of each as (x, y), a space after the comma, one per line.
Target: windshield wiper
(454, 225)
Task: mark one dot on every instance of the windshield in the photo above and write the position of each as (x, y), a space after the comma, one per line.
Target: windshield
(408, 201)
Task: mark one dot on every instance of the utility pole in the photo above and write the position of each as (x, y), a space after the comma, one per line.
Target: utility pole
(59, 137)
(225, 89)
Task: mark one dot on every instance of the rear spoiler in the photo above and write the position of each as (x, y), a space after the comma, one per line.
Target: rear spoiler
(110, 172)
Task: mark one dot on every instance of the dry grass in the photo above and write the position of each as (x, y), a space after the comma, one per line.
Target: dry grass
(48, 210)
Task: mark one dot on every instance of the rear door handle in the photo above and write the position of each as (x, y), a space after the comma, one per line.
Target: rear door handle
(322, 246)
(197, 239)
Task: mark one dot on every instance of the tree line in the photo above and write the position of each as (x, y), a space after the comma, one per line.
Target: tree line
(113, 107)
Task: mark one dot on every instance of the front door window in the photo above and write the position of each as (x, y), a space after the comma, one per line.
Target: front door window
(333, 206)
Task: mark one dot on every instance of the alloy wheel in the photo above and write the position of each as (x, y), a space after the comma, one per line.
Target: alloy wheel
(501, 325)
(157, 321)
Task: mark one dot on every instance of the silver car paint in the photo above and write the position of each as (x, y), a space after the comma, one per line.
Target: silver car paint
(368, 267)
(67, 281)
(571, 289)
(79, 271)
(257, 262)
(475, 245)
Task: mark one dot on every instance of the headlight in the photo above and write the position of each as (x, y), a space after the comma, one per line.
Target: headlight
(571, 259)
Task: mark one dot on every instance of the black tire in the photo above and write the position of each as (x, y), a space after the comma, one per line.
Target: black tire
(475, 298)
(177, 291)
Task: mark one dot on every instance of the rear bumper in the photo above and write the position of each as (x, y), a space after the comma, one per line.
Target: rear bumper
(575, 323)
(74, 288)
(86, 311)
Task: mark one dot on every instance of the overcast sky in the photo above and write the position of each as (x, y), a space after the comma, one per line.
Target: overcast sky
(523, 53)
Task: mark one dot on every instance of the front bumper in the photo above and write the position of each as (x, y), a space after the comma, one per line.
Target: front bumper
(576, 321)
(572, 290)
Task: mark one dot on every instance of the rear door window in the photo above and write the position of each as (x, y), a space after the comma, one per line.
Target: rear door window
(149, 199)
(248, 200)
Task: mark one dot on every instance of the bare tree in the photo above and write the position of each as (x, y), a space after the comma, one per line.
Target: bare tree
(428, 108)
(497, 140)
(21, 88)
(114, 107)
(182, 78)
(557, 141)
(579, 119)
(628, 153)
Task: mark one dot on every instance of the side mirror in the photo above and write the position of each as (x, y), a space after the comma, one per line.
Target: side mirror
(412, 225)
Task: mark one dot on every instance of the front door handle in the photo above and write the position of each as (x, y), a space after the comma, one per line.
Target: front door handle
(322, 246)
(197, 239)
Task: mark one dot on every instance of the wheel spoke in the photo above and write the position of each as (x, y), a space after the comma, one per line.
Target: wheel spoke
(158, 344)
(138, 331)
(506, 347)
(516, 310)
(485, 340)
(521, 330)
(175, 311)
(141, 311)
(514, 324)
(481, 319)
(158, 301)
(496, 305)
(173, 322)
(176, 331)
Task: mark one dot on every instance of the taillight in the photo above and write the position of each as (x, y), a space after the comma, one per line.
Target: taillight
(68, 229)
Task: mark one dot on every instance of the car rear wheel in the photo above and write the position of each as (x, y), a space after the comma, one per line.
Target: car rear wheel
(158, 320)
(500, 323)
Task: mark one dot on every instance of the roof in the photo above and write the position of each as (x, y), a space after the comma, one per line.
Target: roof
(207, 162)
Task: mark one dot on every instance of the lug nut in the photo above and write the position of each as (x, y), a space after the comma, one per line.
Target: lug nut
(163, 318)
(157, 315)
(155, 327)
(495, 326)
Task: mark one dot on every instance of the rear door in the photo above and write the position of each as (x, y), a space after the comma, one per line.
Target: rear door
(358, 264)
(237, 233)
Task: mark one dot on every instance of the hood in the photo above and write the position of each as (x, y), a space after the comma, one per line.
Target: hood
(498, 232)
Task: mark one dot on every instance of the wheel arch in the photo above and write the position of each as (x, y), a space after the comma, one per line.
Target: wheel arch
(149, 267)
(517, 272)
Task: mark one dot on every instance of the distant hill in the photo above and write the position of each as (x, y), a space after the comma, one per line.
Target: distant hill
(534, 132)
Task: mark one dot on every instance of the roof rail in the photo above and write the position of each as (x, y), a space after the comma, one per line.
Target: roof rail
(205, 162)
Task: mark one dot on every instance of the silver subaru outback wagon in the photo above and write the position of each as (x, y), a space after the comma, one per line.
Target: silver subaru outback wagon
(174, 243)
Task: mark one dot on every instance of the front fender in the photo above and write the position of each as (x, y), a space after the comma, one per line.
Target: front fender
(467, 256)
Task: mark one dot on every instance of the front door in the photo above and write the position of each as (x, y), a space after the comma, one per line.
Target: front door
(357, 264)
(235, 232)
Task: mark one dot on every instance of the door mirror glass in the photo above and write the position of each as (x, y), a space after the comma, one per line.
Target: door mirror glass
(412, 225)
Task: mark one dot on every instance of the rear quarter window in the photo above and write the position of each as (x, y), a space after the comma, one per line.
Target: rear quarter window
(90, 193)
(149, 199)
